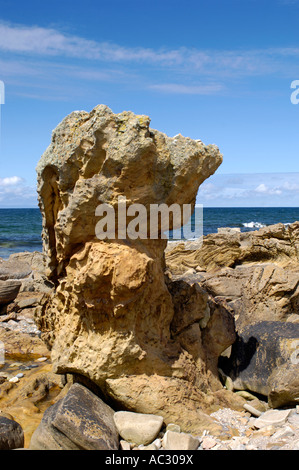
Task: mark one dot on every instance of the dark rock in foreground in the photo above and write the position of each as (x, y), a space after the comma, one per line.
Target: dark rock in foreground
(79, 421)
(11, 434)
(264, 360)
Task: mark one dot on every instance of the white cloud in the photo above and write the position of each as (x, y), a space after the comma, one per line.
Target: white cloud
(10, 181)
(272, 189)
(15, 193)
(37, 40)
(264, 189)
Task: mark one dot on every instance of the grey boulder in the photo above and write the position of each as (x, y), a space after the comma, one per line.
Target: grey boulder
(79, 421)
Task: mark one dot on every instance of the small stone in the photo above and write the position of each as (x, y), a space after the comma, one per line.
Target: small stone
(150, 447)
(173, 427)
(284, 432)
(158, 443)
(124, 445)
(252, 410)
(137, 427)
(179, 441)
(14, 380)
(229, 384)
(41, 359)
(272, 417)
(266, 431)
(244, 394)
(20, 375)
(235, 445)
(208, 443)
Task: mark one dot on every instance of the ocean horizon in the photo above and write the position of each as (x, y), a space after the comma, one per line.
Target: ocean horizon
(20, 229)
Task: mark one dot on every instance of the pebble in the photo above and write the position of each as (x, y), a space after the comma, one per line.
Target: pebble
(124, 445)
(208, 443)
(14, 380)
(41, 359)
(173, 427)
(252, 410)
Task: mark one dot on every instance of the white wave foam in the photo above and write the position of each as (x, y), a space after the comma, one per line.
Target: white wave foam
(260, 225)
(253, 225)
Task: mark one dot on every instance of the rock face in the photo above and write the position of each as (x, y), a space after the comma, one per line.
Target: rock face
(114, 317)
(264, 359)
(256, 273)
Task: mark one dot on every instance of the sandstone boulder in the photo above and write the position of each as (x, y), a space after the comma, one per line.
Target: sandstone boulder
(114, 316)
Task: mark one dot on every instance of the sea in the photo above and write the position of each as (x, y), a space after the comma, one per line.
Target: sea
(20, 229)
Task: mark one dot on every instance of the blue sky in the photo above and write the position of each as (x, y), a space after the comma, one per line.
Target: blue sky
(215, 70)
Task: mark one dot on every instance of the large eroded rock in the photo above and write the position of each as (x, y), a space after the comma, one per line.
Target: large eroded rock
(114, 317)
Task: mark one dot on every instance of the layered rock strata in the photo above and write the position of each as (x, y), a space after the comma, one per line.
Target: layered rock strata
(256, 273)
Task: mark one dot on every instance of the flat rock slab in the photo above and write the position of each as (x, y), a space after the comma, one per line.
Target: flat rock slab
(14, 269)
(11, 434)
(272, 418)
(138, 428)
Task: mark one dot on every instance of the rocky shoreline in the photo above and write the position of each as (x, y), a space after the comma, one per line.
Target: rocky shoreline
(28, 386)
(131, 344)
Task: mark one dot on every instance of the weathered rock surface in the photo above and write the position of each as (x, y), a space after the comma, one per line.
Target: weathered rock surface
(137, 428)
(256, 273)
(9, 291)
(27, 268)
(13, 269)
(79, 421)
(283, 383)
(11, 434)
(22, 346)
(264, 359)
(113, 315)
